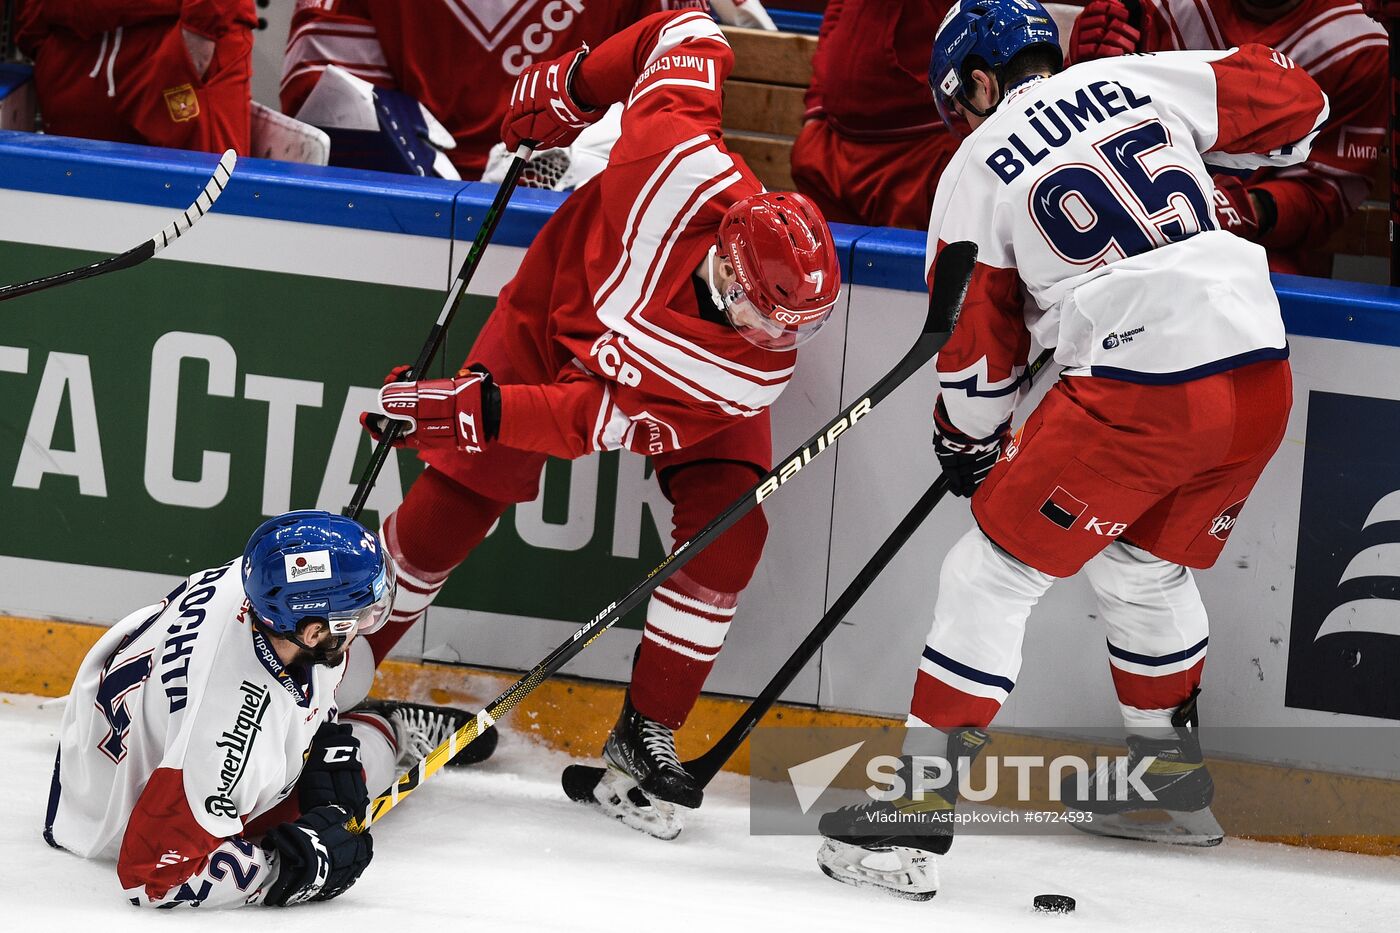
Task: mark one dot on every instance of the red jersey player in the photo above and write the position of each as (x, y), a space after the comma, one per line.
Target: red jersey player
(658, 311)
(160, 72)
(1087, 193)
(872, 149)
(459, 58)
(1293, 210)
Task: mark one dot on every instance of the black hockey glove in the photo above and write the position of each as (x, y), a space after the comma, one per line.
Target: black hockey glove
(318, 858)
(334, 774)
(965, 460)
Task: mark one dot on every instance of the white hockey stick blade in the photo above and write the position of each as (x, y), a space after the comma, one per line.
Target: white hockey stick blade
(138, 254)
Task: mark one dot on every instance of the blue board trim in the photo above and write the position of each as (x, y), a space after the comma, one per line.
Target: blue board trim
(339, 197)
(875, 257)
(13, 77)
(809, 24)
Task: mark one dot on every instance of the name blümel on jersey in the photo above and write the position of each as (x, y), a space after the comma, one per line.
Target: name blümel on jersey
(1055, 123)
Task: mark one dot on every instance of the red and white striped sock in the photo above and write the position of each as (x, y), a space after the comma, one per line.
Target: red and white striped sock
(685, 629)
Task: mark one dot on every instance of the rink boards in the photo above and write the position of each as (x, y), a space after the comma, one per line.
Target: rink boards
(153, 417)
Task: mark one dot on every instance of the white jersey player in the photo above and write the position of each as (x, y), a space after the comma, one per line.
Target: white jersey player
(1087, 195)
(192, 721)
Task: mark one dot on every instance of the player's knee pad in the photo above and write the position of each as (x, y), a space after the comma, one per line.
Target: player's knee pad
(358, 677)
(701, 491)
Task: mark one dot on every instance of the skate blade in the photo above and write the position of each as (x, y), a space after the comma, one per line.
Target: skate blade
(1172, 827)
(617, 795)
(907, 873)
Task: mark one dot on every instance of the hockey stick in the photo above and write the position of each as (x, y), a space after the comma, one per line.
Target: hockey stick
(952, 272)
(438, 332)
(580, 780)
(138, 254)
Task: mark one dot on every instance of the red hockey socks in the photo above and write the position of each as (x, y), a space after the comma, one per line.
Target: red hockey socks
(689, 615)
(438, 525)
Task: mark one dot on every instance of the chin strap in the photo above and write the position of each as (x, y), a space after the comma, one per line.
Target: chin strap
(710, 280)
(321, 654)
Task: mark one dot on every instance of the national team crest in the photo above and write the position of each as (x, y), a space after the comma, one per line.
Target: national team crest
(182, 102)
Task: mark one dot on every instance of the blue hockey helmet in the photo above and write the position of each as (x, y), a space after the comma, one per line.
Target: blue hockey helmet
(314, 565)
(993, 31)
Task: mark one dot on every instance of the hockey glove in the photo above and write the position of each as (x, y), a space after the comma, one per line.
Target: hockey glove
(317, 857)
(1105, 29)
(461, 413)
(966, 461)
(1239, 210)
(333, 773)
(543, 112)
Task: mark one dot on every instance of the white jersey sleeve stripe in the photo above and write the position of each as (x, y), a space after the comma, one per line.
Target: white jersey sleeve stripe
(683, 28)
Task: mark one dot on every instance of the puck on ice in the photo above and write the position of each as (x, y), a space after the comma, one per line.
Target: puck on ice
(1054, 903)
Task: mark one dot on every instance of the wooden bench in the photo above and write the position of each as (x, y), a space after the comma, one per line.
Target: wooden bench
(763, 114)
(763, 99)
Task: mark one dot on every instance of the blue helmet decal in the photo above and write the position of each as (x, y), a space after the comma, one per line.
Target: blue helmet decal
(993, 31)
(311, 564)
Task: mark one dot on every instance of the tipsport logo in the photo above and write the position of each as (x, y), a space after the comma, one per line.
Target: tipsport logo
(1344, 646)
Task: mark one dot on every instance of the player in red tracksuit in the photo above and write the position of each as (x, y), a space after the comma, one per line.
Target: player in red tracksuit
(160, 72)
(658, 311)
(872, 148)
(459, 58)
(1294, 210)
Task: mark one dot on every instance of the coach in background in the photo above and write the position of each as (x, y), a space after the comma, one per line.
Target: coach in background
(160, 72)
(1292, 212)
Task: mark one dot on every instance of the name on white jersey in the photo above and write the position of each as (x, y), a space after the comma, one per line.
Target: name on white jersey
(1058, 121)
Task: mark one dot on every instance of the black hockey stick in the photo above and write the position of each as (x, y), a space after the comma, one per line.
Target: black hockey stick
(580, 780)
(952, 271)
(138, 254)
(439, 329)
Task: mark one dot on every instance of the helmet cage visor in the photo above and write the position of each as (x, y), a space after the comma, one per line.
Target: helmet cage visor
(767, 332)
(947, 95)
(371, 618)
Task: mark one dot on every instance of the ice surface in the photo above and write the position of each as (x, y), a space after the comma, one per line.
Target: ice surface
(500, 848)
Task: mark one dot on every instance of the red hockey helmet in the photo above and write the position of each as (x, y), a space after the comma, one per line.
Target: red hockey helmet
(787, 273)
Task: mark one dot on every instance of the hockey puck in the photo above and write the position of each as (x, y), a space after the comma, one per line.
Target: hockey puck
(1054, 903)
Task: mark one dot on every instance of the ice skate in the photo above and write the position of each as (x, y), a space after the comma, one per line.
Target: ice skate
(889, 845)
(1177, 778)
(645, 786)
(419, 728)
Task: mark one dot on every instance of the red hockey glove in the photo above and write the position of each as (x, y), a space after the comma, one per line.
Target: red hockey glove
(1237, 210)
(1106, 28)
(543, 112)
(440, 414)
(966, 461)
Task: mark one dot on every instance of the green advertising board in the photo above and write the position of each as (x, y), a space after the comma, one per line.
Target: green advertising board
(152, 418)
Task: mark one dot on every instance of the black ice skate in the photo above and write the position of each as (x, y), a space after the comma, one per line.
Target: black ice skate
(1177, 779)
(645, 782)
(418, 729)
(890, 845)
